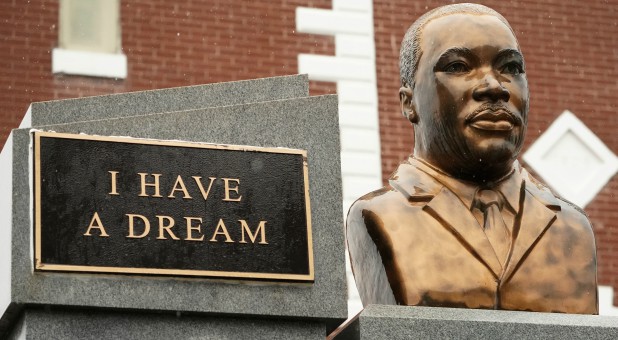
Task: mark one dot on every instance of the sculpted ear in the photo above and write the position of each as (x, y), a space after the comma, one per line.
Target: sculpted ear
(405, 100)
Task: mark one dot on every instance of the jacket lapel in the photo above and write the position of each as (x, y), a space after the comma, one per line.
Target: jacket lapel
(453, 214)
(533, 219)
(446, 208)
(537, 213)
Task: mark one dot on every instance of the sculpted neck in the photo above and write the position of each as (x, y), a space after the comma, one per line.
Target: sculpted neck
(476, 172)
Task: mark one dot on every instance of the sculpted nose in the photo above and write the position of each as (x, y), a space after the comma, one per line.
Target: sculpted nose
(491, 89)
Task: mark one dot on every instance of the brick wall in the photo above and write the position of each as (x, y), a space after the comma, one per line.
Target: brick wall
(570, 51)
(167, 43)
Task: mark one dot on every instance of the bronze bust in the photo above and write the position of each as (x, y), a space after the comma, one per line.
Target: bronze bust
(461, 223)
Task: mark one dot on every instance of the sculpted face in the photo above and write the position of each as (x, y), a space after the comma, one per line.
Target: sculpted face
(470, 100)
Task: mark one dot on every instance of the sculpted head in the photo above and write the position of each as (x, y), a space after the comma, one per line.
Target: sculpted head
(464, 87)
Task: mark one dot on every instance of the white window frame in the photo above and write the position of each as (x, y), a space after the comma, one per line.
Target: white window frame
(581, 195)
(104, 59)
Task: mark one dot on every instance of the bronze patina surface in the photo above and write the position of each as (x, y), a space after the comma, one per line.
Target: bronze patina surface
(461, 223)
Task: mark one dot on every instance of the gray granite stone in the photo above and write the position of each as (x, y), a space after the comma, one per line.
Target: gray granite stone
(403, 322)
(305, 123)
(124, 105)
(6, 211)
(38, 324)
(167, 100)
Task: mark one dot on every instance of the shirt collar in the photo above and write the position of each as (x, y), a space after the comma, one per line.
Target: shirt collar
(508, 186)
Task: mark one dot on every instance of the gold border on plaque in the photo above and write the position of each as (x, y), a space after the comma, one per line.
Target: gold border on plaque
(38, 265)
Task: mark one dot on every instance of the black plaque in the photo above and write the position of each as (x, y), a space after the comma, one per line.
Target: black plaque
(217, 211)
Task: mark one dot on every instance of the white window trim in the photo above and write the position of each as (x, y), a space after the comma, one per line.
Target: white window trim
(96, 64)
(353, 68)
(565, 123)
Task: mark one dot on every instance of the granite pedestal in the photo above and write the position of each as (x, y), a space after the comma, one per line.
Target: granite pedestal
(404, 322)
(37, 323)
(289, 119)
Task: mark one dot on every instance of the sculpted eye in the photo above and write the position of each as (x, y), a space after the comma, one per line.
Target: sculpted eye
(457, 67)
(512, 68)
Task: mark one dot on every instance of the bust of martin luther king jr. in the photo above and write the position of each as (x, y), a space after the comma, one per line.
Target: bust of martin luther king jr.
(460, 223)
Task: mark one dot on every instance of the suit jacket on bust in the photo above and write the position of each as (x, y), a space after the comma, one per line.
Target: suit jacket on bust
(415, 242)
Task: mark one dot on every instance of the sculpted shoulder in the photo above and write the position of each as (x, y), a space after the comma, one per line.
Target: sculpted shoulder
(364, 236)
(567, 211)
(368, 214)
(407, 191)
(373, 223)
(575, 223)
(376, 201)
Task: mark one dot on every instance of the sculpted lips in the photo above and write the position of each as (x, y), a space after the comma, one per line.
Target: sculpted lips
(492, 117)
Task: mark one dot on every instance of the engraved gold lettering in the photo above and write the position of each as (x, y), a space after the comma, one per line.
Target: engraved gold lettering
(113, 179)
(198, 180)
(167, 228)
(191, 228)
(228, 189)
(144, 184)
(183, 188)
(252, 236)
(132, 224)
(99, 225)
(221, 230)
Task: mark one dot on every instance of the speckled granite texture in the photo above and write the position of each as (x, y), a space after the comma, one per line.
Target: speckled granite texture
(36, 324)
(403, 322)
(168, 100)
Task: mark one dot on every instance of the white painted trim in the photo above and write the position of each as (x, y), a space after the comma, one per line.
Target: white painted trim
(357, 92)
(362, 164)
(357, 115)
(595, 179)
(359, 139)
(349, 45)
(326, 21)
(606, 301)
(353, 5)
(353, 68)
(330, 68)
(108, 65)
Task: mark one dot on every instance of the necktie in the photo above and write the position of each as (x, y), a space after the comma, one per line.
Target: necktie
(490, 203)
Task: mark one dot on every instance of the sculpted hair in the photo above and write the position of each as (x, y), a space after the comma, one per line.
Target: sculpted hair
(410, 52)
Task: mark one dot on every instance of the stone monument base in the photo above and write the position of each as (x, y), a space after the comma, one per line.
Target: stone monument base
(404, 322)
(45, 323)
(69, 304)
